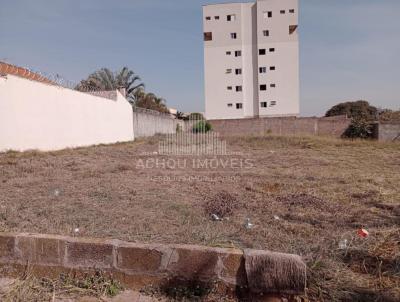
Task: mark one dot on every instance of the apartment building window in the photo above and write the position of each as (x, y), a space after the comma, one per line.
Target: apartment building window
(283, 11)
(263, 69)
(272, 50)
(264, 104)
(238, 71)
(208, 18)
(239, 105)
(267, 15)
(230, 105)
(263, 87)
(266, 33)
(272, 85)
(231, 17)
(216, 17)
(292, 29)
(228, 71)
(238, 88)
(208, 36)
(238, 53)
(262, 52)
(228, 53)
(272, 103)
(272, 68)
(234, 35)
(229, 87)
(291, 11)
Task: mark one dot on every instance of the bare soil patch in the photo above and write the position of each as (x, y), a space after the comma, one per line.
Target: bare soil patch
(307, 196)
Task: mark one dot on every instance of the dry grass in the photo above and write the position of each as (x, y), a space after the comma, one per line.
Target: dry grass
(305, 196)
(31, 289)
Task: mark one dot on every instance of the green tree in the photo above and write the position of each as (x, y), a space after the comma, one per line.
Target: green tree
(361, 114)
(355, 110)
(105, 80)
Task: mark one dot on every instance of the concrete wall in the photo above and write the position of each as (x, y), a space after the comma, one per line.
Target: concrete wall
(387, 131)
(149, 123)
(39, 116)
(282, 126)
(249, 22)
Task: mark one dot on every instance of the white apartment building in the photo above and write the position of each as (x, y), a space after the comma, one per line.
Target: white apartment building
(251, 59)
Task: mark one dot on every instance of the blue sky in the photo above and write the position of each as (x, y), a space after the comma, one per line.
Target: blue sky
(349, 49)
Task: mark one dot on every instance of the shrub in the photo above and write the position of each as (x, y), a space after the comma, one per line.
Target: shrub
(359, 128)
(202, 127)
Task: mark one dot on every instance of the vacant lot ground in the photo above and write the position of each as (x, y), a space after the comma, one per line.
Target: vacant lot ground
(307, 196)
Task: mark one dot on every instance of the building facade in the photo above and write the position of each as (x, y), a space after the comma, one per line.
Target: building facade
(251, 59)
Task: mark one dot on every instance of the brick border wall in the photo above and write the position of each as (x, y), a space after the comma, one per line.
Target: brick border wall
(133, 264)
(331, 126)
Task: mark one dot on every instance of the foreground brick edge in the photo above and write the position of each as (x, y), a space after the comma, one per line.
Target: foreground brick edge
(134, 264)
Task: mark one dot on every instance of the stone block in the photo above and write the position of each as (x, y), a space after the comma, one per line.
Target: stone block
(140, 258)
(49, 250)
(89, 254)
(7, 242)
(233, 268)
(193, 262)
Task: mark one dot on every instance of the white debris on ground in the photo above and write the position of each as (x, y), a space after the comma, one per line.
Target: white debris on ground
(248, 225)
(215, 217)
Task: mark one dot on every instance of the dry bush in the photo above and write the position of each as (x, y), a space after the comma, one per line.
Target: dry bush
(221, 204)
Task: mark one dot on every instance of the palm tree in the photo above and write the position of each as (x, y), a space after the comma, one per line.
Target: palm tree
(149, 101)
(104, 79)
(159, 101)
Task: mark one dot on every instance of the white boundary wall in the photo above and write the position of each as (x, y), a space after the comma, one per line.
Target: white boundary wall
(149, 123)
(36, 116)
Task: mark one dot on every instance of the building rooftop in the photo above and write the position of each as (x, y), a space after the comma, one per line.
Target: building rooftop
(6, 68)
(234, 2)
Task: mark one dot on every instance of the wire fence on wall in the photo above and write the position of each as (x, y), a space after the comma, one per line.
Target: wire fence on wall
(44, 77)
